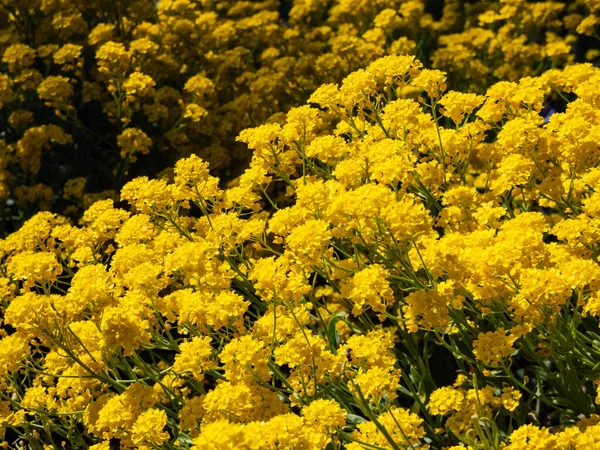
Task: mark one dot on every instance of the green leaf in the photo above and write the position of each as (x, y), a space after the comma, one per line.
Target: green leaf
(332, 334)
(354, 419)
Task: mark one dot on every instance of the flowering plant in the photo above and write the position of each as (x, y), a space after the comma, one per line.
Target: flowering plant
(402, 264)
(92, 96)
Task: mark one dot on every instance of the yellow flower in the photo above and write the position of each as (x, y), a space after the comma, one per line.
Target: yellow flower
(369, 287)
(67, 54)
(34, 267)
(56, 90)
(195, 357)
(148, 427)
(199, 85)
(510, 398)
(126, 325)
(18, 56)
(133, 140)
(13, 349)
(138, 85)
(493, 347)
(194, 112)
(112, 58)
(223, 435)
(444, 400)
(431, 81)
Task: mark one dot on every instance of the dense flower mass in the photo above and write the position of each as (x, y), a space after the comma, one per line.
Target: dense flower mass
(94, 95)
(372, 227)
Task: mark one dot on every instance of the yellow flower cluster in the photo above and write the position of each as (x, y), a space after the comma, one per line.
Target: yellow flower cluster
(408, 260)
(390, 271)
(171, 78)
